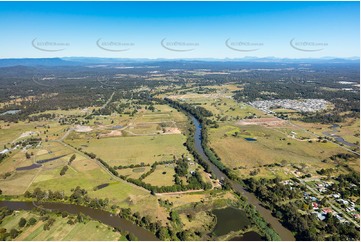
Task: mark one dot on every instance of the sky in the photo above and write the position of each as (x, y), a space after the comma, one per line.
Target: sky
(179, 29)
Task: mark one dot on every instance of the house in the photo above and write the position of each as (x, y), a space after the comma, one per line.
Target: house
(337, 195)
(350, 209)
(320, 216)
(314, 206)
(327, 210)
(342, 201)
(341, 219)
(322, 190)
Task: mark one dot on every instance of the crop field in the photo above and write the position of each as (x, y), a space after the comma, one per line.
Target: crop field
(60, 230)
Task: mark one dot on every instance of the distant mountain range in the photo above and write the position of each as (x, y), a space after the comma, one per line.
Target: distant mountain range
(82, 61)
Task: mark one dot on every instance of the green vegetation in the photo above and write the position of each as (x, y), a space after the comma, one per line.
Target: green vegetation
(40, 225)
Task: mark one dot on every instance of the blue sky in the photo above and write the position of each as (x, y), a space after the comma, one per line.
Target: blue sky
(188, 29)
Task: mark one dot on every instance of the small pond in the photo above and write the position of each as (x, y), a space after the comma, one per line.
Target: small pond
(51, 159)
(101, 186)
(229, 219)
(10, 112)
(27, 168)
(250, 139)
(140, 169)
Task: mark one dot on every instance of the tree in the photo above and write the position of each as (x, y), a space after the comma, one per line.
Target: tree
(63, 171)
(131, 237)
(14, 233)
(27, 155)
(72, 158)
(32, 221)
(163, 233)
(22, 222)
(174, 217)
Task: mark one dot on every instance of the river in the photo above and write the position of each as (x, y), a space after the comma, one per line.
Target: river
(283, 232)
(141, 233)
(96, 214)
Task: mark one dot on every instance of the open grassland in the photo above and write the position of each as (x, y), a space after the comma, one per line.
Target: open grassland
(14, 132)
(83, 172)
(9, 132)
(60, 230)
(349, 130)
(134, 150)
(194, 208)
(162, 176)
(70, 112)
(221, 105)
(271, 146)
(134, 173)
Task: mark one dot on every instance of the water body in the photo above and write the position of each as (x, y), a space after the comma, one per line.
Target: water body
(10, 112)
(339, 139)
(117, 127)
(27, 168)
(51, 159)
(250, 139)
(138, 170)
(229, 219)
(249, 236)
(101, 186)
(96, 214)
(283, 232)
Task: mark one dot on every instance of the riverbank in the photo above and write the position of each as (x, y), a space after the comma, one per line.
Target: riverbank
(266, 214)
(96, 214)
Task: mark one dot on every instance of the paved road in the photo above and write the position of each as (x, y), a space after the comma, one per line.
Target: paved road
(109, 100)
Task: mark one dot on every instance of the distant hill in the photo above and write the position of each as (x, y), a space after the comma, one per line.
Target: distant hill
(84, 61)
(37, 62)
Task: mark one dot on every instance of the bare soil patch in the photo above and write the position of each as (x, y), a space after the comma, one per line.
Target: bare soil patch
(82, 129)
(268, 122)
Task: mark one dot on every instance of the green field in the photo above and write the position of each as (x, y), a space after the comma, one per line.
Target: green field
(60, 230)
(271, 147)
(136, 149)
(162, 176)
(134, 173)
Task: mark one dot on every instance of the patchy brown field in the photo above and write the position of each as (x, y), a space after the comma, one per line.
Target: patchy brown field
(269, 122)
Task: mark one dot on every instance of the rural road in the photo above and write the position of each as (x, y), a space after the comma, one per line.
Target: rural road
(332, 204)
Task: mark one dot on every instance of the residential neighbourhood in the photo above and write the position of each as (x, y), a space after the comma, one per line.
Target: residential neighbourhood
(304, 105)
(323, 200)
